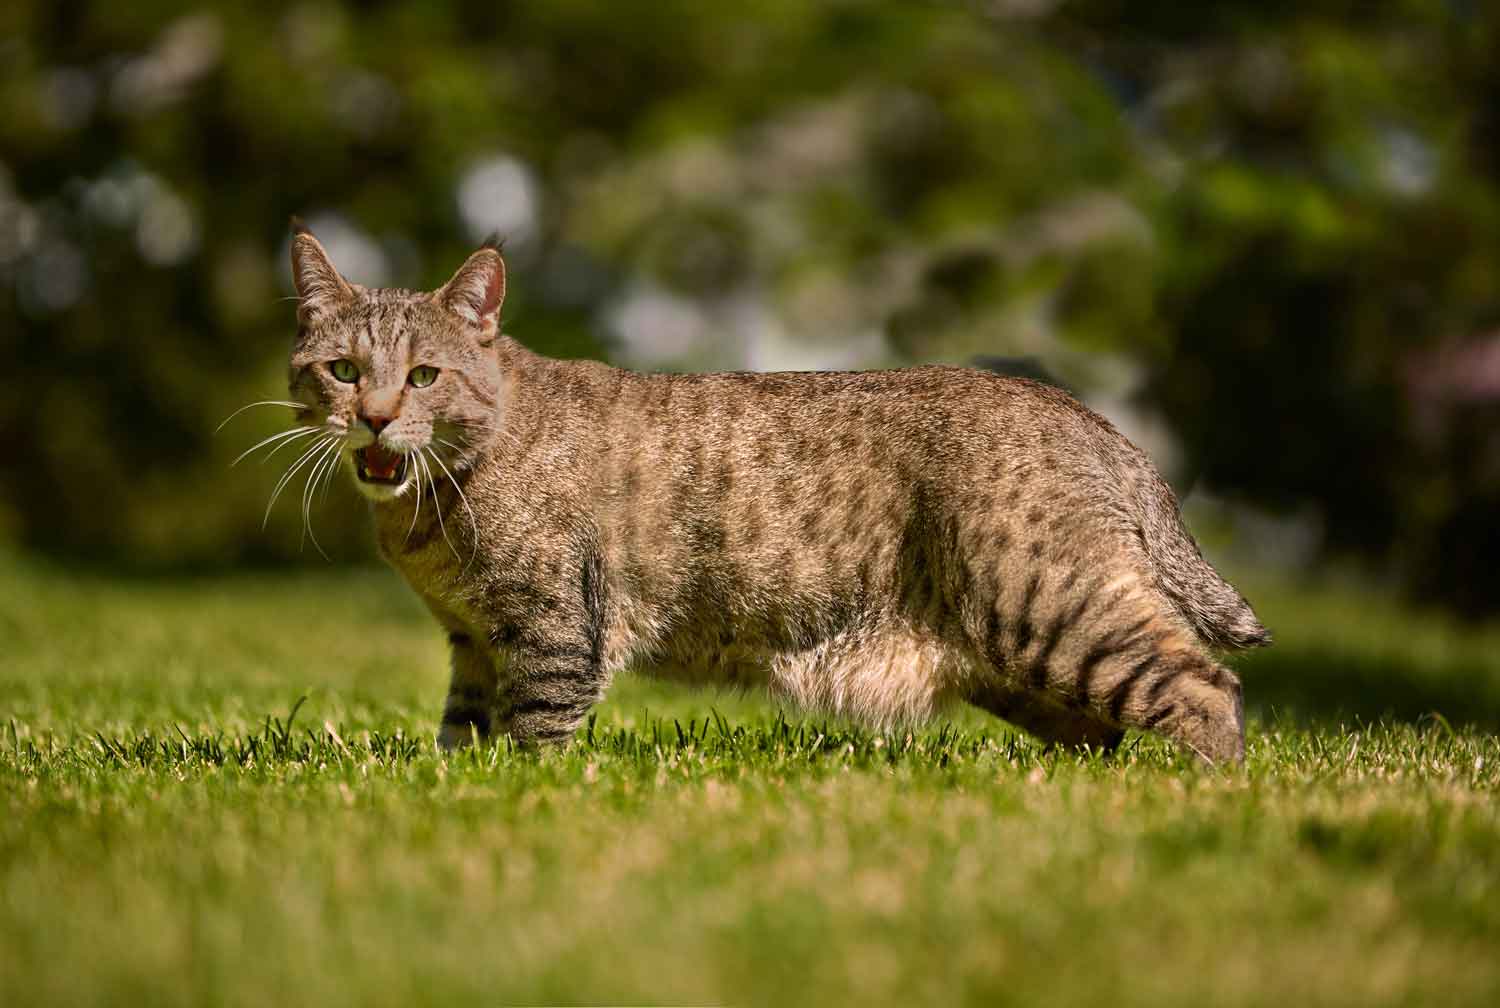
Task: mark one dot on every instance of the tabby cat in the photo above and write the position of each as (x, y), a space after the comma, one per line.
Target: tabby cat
(874, 544)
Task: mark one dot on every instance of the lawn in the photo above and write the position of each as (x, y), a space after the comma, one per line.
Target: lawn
(173, 833)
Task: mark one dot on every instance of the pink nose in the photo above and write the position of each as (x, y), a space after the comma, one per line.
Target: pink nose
(376, 422)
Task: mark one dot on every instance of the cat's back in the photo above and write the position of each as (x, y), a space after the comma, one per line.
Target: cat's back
(778, 470)
(656, 447)
(919, 407)
(659, 442)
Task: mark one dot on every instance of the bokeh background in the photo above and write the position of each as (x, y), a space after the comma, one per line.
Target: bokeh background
(1264, 237)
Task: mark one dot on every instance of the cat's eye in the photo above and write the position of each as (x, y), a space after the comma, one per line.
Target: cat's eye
(344, 370)
(422, 375)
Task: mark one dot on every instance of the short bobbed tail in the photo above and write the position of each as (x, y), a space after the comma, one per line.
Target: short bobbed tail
(1215, 610)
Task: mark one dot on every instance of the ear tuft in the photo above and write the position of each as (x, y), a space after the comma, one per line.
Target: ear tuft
(320, 289)
(476, 291)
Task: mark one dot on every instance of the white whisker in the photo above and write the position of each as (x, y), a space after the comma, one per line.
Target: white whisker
(286, 477)
(338, 460)
(416, 474)
(313, 475)
(436, 504)
(263, 402)
(326, 476)
(473, 521)
(474, 431)
(291, 435)
(458, 449)
(336, 432)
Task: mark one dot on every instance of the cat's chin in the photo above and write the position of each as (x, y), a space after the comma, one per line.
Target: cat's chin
(383, 477)
(381, 493)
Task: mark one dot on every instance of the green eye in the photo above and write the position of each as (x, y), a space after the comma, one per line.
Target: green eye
(422, 375)
(344, 370)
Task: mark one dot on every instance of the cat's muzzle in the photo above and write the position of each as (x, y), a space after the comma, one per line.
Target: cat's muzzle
(374, 464)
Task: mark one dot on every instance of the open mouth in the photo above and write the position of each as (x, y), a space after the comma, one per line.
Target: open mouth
(373, 464)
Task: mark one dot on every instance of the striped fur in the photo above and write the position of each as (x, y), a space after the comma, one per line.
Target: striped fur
(876, 544)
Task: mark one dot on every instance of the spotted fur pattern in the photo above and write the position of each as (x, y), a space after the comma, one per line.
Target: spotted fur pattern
(875, 544)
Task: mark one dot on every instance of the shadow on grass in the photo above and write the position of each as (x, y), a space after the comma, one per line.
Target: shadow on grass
(1316, 685)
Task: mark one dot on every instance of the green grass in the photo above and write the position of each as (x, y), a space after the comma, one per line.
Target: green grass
(170, 835)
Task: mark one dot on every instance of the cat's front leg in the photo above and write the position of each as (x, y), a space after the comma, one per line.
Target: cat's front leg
(548, 691)
(472, 693)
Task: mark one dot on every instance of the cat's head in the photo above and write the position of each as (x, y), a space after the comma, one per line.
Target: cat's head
(405, 381)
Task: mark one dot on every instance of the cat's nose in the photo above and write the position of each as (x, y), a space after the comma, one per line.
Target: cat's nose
(375, 421)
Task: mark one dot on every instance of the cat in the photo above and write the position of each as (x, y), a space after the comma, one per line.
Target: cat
(875, 544)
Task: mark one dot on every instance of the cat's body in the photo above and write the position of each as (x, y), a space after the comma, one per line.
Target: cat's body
(873, 543)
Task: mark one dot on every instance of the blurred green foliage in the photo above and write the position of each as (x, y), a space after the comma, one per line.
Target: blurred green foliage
(1271, 225)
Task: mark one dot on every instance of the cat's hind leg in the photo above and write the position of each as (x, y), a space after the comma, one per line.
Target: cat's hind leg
(882, 671)
(1184, 695)
(1110, 649)
(1049, 720)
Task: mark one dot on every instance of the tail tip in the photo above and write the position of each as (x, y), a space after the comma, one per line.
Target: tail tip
(1249, 633)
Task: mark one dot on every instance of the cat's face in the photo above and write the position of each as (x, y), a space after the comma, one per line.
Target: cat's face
(404, 382)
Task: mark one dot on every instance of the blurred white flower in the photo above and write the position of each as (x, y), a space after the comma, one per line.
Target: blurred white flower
(165, 224)
(66, 98)
(53, 278)
(1409, 166)
(364, 103)
(167, 231)
(187, 50)
(651, 326)
(19, 223)
(498, 195)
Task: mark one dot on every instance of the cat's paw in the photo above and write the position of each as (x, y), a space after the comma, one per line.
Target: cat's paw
(456, 736)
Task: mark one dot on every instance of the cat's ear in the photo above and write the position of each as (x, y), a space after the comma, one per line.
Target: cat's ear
(477, 289)
(320, 289)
